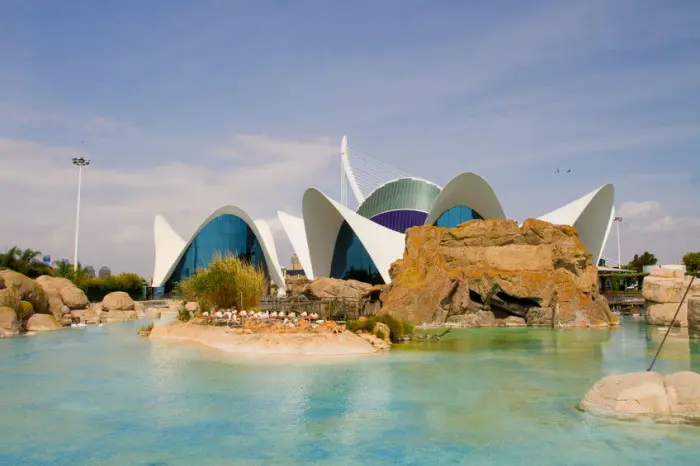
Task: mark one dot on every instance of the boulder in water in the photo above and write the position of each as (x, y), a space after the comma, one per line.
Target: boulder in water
(118, 301)
(42, 323)
(639, 395)
(9, 325)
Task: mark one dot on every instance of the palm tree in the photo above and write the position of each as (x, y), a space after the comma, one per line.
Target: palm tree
(24, 262)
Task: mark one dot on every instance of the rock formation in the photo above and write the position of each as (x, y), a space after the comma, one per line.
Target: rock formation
(9, 326)
(694, 317)
(485, 271)
(118, 301)
(63, 295)
(663, 290)
(324, 288)
(28, 289)
(673, 398)
(42, 322)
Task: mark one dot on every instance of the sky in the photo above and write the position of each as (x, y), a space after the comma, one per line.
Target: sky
(184, 106)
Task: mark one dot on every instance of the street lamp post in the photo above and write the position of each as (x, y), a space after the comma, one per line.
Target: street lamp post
(80, 163)
(618, 220)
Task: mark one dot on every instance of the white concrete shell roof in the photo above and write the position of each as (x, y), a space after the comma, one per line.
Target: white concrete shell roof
(294, 228)
(170, 247)
(323, 218)
(592, 216)
(469, 190)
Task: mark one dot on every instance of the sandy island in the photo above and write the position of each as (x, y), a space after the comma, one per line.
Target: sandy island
(234, 342)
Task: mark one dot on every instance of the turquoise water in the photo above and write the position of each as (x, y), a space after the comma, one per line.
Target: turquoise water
(480, 396)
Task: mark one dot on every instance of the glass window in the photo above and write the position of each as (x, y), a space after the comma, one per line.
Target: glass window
(351, 260)
(456, 215)
(224, 235)
(400, 220)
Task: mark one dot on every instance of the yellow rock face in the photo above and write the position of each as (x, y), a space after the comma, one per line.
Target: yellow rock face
(538, 271)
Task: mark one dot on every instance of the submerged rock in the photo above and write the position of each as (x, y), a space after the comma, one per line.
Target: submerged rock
(538, 272)
(639, 395)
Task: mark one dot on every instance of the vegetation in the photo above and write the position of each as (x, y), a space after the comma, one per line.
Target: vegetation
(620, 281)
(183, 315)
(26, 262)
(96, 288)
(145, 330)
(692, 262)
(638, 262)
(24, 311)
(397, 328)
(228, 282)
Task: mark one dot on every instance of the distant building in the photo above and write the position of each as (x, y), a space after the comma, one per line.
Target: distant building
(649, 268)
(296, 265)
(104, 272)
(90, 271)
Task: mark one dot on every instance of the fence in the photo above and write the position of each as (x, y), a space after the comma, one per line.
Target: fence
(338, 309)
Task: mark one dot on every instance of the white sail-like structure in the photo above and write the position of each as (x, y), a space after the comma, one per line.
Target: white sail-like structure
(469, 190)
(170, 248)
(592, 216)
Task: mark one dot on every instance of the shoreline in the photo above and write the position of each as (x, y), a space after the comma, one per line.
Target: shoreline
(228, 341)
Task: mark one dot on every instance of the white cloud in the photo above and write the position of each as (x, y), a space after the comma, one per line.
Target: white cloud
(118, 204)
(635, 210)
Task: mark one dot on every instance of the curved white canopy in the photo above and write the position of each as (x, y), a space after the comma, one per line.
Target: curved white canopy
(469, 190)
(170, 247)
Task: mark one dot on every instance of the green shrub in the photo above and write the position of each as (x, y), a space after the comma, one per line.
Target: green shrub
(25, 311)
(9, 297)
(97, 288)
(228, 282)
(184, 315)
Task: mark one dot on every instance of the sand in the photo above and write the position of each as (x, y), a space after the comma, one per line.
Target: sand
(227, 340)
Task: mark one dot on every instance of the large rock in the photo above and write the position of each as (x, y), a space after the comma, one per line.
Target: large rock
(694, 317)
(116, 315)
(9, 325)
(63, 295)
(9, 297)
(667, 290)
(29, 290)
(42, 323)
(118, 301)
(540, 272)
(638, 395)
(324, 288)
(295, 284)
(662, 314)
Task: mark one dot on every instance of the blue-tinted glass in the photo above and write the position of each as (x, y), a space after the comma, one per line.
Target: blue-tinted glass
(351, 260)
(400, 220)
(456, 215)
(225, 235)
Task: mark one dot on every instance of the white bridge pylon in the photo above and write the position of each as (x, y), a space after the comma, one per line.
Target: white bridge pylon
(363, 173)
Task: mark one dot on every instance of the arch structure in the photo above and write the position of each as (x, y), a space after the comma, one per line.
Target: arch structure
(332, 240)
(228, 230)
(592, 215)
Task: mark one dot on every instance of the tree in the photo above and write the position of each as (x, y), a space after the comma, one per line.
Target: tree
(638, 262)
(25, 261)
(692, 262)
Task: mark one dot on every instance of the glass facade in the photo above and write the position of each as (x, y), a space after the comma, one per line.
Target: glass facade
(400, 194)
(225, 235)
(400, 220)
(456, 215)
(351, 260)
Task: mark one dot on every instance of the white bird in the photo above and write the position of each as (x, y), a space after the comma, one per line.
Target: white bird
(274, 314)
(292, 315)
(242, 313)
(281, 314)
(205, 314)
(218, 314)
(100, 325)
(304, 314)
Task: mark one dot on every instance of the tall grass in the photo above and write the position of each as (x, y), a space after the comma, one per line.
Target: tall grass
(228, 282)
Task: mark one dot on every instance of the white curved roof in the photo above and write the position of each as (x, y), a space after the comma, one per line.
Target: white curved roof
(592, 216)
(323, 218)
(170, 247)
(294, 228)
(469, 190)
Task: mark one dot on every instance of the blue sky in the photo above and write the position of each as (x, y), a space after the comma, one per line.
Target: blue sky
(183, 106)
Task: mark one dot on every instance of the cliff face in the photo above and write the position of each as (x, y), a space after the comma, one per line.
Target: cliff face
(485, 271)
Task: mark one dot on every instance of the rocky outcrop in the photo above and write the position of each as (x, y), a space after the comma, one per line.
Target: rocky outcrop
(662, 291)
(9, 325)
(295, 284)
(325, 288)
(673, 398)
(63, 295)
(694, 317)
(42, 323)
(484, 271)
(118, 301)
(29, 290)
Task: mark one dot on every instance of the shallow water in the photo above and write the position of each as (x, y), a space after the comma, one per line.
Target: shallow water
(102, 395)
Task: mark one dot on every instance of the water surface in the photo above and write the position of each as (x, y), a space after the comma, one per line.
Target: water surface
(102, 395)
